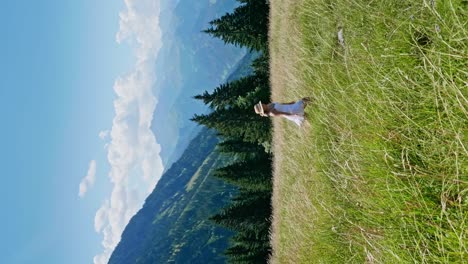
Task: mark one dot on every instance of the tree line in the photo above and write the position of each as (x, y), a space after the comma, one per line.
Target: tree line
(245, 136)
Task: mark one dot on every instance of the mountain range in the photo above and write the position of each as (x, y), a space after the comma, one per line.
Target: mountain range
(188, 63)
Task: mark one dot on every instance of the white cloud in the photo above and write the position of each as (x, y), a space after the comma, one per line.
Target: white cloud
(133, 153)
(88, 180)
(100, 220)
(104, 134)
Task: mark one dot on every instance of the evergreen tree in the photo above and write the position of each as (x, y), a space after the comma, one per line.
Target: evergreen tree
(245, 134)
(236, 145)
(247, 253)
(248, 248)
(250, 214)
(227, 94)
(252, 174)
(237, 123)
(251, 242)
(240, 149)
(261, 65)
(247, 26)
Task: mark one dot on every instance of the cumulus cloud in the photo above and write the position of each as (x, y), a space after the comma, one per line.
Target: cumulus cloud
(88, 181)
(133, 153)
(104, 134)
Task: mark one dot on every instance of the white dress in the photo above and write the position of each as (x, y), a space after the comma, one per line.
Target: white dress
(296, 110)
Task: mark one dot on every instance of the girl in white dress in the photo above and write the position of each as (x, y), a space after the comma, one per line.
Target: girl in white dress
(293, 111)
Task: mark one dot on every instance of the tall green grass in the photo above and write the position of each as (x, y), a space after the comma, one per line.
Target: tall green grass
(380, 173)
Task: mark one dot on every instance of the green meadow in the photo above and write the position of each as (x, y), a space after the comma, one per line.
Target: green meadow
(379, 172)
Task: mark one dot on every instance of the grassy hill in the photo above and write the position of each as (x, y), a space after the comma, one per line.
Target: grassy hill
(379, 174)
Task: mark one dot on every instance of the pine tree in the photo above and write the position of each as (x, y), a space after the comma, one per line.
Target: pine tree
(249, 248)
(251, 242)
(237, 123)
(250, 215)
(247, 26)
(237, 145)
(240, 149)
(261, 65)
(252, 174)
(245, 134)
(227, 94)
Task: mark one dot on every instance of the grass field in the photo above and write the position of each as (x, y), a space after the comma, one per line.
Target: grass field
(379, 174)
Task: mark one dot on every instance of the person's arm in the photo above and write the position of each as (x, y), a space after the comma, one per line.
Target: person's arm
(274, 112)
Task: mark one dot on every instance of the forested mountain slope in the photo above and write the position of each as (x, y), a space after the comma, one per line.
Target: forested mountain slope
(173, 225)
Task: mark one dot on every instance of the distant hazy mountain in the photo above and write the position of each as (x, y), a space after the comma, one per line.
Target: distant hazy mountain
(188, 63)
(173, 225)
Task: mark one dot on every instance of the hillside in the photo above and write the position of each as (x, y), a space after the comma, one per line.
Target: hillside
(173, 225)
(379, 174)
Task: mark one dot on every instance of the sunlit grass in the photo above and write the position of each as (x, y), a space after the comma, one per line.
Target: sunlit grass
(380, 172)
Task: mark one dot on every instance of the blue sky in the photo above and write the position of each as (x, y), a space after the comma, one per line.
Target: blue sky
(60, 62)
